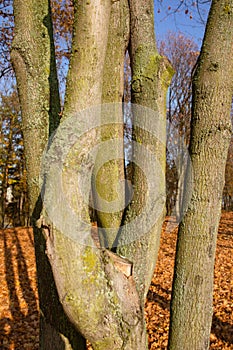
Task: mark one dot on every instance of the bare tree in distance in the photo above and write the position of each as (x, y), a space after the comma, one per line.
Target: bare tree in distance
(182, 52)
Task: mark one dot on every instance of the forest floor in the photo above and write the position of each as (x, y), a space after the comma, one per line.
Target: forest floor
(19, 316)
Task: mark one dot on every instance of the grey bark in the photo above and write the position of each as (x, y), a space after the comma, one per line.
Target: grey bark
(101, 300)
(109, 179)
(151, 76)
(34, 64)
(191, 308)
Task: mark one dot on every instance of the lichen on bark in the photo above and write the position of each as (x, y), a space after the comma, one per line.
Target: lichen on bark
(109, 179)
(151, 75)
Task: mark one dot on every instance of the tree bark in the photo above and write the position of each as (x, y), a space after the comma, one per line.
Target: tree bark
(85, 76)
(109, 176)
(85, 79)
(102, 301)
(191, 309)
(151, 76)
(99, 299)
(34, 64)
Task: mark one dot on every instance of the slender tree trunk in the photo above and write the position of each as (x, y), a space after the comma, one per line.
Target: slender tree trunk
(34, 63)
(191, 309)
(3, 195)
(151, 76)
(109, 177)
(85, 76)
(5, 174)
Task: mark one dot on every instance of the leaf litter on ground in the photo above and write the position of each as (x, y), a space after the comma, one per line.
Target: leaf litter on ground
(19, 307)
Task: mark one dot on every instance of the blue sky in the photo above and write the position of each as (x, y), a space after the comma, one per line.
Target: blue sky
(167, 19)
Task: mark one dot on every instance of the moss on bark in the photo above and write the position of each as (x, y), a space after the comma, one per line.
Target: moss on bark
(151, 76)
(34, 64)
(110, 178)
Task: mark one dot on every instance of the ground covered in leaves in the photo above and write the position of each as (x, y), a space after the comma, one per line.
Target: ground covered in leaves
(19, 316)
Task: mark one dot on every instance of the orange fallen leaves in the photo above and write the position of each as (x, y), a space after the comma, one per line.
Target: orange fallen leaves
(19, 312)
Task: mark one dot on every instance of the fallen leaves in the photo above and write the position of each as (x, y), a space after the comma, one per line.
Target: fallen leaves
(159, 295)
(19, 313)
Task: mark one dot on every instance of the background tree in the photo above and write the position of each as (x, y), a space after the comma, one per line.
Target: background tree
(197, 11)
(62, 18)
(7, 25)
(14, 201)
(228, 188)
(182, 52)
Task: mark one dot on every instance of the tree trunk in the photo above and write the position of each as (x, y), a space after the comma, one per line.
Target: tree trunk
(34, 64)
(99, 299)
(109, 179)
(191, 309)
(103, 300)
(6, 173)
(85, 81)
(151, 74)
(85, 76)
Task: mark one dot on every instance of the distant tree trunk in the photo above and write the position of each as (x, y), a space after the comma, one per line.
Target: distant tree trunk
(3, 195)
(5, 175)
(191, 308)
(34, 64)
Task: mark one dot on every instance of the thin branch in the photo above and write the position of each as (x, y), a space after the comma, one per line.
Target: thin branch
(5, 71)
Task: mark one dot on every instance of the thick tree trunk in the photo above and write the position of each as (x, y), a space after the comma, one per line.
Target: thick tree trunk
(191, 309)
(34, 63)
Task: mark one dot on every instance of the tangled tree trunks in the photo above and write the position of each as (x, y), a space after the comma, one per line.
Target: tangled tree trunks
(102, 301)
